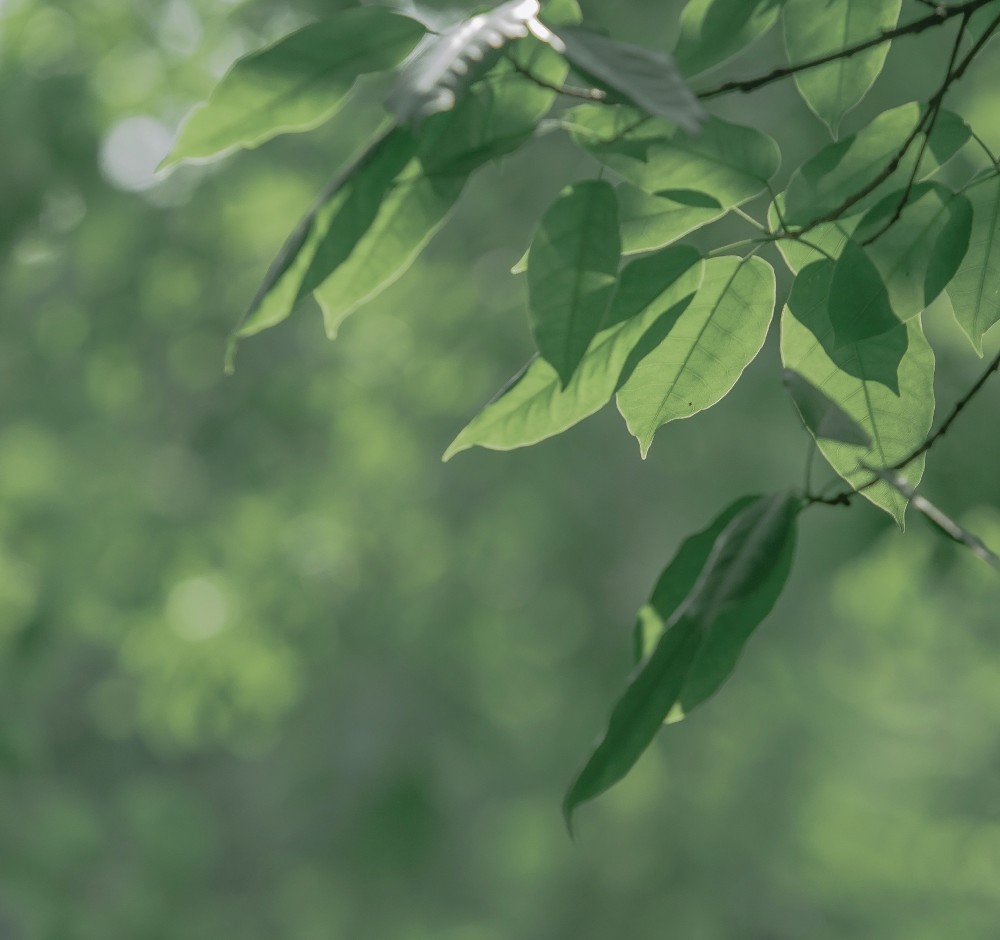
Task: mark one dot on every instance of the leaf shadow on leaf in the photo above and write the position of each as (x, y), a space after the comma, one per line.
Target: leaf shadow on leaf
(690, 197)
(652, 338)
(808, 302)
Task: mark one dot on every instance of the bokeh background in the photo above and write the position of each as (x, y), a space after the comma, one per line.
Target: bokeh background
(269, 669)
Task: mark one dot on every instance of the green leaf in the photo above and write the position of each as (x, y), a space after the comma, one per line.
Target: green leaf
(901, 273)
(826, 240)
(840, 170)
(885, 384)
(729, 163)
(572, 272)
(735, 588)
(294, 84)
(815, 29)
(445, 65)
(704, 352)
(649, 222)
(821, 414)
(534, 405)
(645, 78)
(712, 31)
(975, 290)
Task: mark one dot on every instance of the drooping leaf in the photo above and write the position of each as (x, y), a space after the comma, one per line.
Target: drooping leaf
(640, 76)
(726, 638)
(975, 290)
(649, 222)
(535, 406)
(701, 640)
(712, 31)
(729, 163)
(815, 29)
(902, 271)
(296, 83)
(704, 353)
(572, 272)
(822, 415)
(443, 66)
(841, 169)
(885, 384)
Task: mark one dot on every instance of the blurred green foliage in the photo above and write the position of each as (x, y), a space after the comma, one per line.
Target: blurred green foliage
(269, 669)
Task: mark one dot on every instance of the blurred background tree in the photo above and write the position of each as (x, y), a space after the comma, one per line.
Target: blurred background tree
(269, 669)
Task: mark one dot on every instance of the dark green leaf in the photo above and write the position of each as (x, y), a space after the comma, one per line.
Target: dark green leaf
(572, 272)
(815, 29)
(702, 639)
(975, 289)
(296, 83)
(647, 79)
(706, 349)
(822, 415)
(534, 406)
(728, 163)
(885, 384)
(715, 30)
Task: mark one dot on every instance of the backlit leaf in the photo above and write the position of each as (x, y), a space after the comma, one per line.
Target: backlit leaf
(296, 83)
(822, 415)
(649, 222)
(815, 29)
(884, 383)
(535, 406)
(704, 352)
(712, 31)
(572, 272)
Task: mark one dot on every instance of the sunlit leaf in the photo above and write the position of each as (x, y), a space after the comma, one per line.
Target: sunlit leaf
(729, 163)
(975, 289)
(841, 169)
(735, 588)
(822, 415)
(826, 240)
(535, 406)
(296, 83)
(885, 384)
(645, 78)
(572, 272)
(715, 30)
(816, 29)
(435, 76)
(649, 222)
(902, 271)
(704, 352)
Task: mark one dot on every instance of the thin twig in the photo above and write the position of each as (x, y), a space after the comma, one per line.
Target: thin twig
(940, 15)
(571, 91)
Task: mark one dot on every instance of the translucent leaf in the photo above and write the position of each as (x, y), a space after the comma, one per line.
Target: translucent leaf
(535, 406)
(826, 240)
(443, 66)
(975, 289)
(572, 272)
(296, 83)
(822, 415)
(712, 31)
(885, 384)
(645, 78)
(649, 222)
(729, 163)
(841, 169)
(702, 638)
(899, 274)
(815, 29)
(700, 356)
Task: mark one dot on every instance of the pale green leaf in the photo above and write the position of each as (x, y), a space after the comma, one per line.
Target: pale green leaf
(884, 383)
(841, 169)
(975, 290)
(729, 163)
(296, 83)
(572, 272)
(704, 352)
(649, 222)
(534, 406)
(712, 31)
(701, 641)
(821, 414)
(645, 78)
(814, 29)
(902, 271)
(826, 240)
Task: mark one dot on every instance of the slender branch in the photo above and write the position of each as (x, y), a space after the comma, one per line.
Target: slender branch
(940, 15)
(571, 91)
